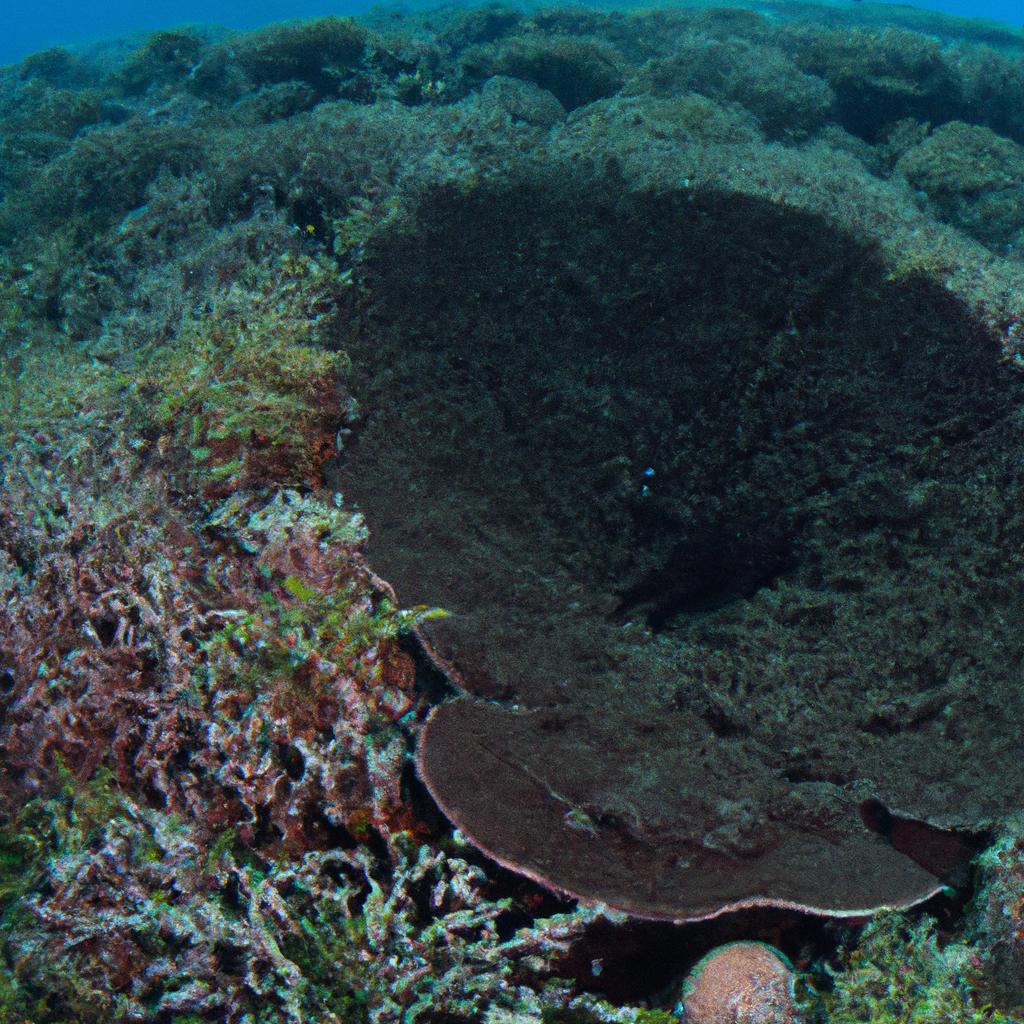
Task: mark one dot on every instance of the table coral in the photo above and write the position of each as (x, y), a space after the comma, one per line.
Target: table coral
(755, 612)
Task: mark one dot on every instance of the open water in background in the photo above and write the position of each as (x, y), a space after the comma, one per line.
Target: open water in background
(30, 25)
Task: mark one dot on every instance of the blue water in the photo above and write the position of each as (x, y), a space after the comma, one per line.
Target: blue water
(30, 25)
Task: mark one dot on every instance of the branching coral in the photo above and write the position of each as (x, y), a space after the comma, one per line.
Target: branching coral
(253, 624)
(305, 686)
(243, 693)
(220, 931)
(232, 684)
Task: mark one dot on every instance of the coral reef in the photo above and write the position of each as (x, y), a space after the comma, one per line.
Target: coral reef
(974, 177)
(656, 370)
(223, 931)
(902, 972)
(996, 920)
(723, 560)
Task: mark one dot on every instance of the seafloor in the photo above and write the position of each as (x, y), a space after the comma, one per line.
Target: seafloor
(497, 502)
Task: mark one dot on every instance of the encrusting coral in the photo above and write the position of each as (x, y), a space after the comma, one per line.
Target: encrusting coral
(720, 558)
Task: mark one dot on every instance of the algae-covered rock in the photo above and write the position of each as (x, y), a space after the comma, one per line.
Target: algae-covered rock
(325, 53)
(521, 102)
(312, 51)
(760, 79)
(576, 70)
(878, 76)
(974, 177)
(165, 59)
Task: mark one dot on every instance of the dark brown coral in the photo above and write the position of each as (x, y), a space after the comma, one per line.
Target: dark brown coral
(728, 525)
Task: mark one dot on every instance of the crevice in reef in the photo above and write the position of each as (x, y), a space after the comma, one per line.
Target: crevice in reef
(705, 574)
(945, 853)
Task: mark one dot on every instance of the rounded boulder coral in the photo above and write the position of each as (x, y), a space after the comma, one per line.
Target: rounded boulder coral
(740, 983)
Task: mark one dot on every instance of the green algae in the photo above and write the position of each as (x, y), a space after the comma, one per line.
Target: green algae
(900, 972)
(247, 389)
(327, 951)
(48, 828)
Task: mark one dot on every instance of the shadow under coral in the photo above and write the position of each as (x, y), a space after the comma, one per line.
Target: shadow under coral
(727, 521)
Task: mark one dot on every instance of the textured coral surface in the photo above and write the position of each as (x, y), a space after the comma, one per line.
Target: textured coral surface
(743, 981)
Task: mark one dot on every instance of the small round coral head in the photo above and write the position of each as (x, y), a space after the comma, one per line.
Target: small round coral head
(740, 983)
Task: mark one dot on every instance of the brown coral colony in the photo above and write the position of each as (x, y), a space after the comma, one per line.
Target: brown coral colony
(702, 529)
(740, 983)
